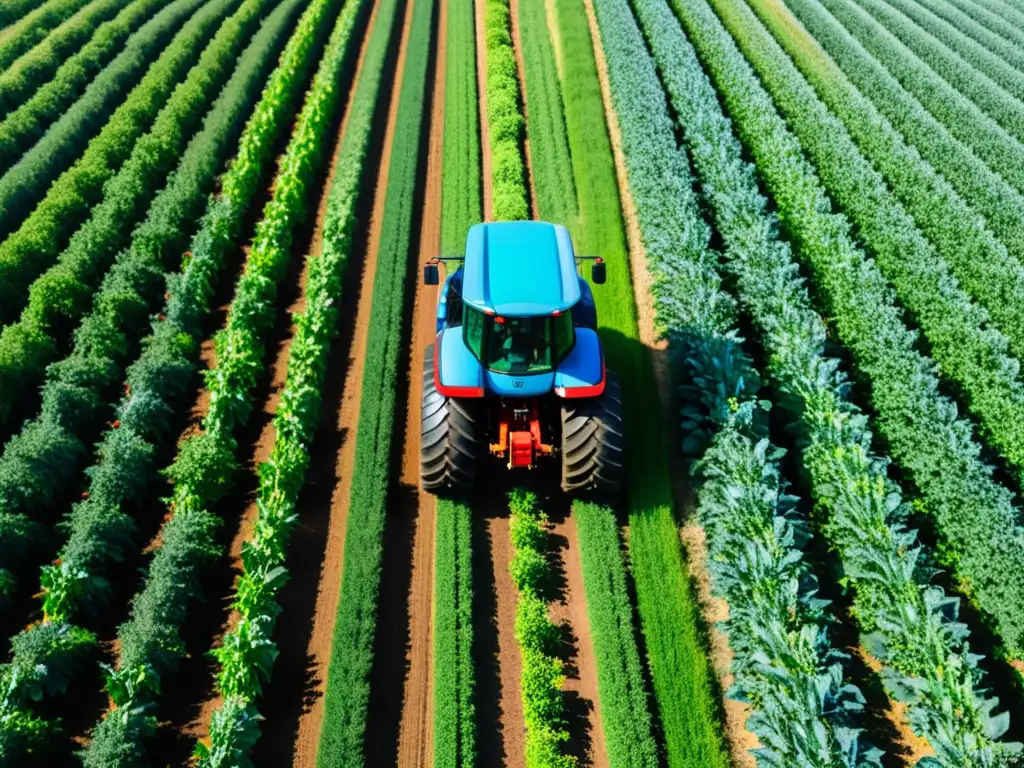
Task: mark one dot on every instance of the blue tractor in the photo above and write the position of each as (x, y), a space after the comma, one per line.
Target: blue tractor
(517, 370)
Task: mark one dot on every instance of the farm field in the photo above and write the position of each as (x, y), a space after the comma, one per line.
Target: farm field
(221, 545)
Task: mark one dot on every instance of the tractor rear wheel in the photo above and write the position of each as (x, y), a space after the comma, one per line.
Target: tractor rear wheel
(593, 443)
(449, 436)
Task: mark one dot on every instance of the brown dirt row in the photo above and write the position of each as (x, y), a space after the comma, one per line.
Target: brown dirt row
(328, 589)
(481, 87)
(410, 507)
(740, 740)
(582, 701)
(517, 45)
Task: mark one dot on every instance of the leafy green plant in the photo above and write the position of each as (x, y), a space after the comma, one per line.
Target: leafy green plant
(504, 116)
(245, 656)
(27, 123)
(38, 65)
(64, 202)
(33, 27)
(13, 10)
(150, 639)
(989, 40)
(926, 657)
(960, 236)
(986, 138)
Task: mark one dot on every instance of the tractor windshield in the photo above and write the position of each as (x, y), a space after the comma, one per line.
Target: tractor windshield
(518, 345)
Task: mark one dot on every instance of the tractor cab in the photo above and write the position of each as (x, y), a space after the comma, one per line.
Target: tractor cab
(517, 355)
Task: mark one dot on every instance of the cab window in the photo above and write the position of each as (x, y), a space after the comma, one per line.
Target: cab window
(519, 345)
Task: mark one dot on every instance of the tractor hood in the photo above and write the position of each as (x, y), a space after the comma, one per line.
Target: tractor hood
(520, 268)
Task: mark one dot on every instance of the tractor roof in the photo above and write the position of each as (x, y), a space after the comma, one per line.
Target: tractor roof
(520, 268)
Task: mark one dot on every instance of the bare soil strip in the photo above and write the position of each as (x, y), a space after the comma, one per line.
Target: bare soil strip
(517, 45)
(481, 88)
(582, 700)
(307, 729)
(410, 507)
(736, 713)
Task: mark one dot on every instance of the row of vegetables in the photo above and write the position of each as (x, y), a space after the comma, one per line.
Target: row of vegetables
(49, 450)
(886, 567)
(347, 697)
(34, 26)
(158, 385)
(37, 66)
(29, 108)
(455, 727)
(50, 191)
(207, 461)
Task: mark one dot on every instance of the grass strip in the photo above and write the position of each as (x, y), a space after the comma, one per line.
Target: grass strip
(549, 147)
(669, 615)
(984, 191)
(61, 296)
(909, 624)
(538, 637)
(246, 654)
(75, 588)
(150, 641)
(34, 27)
(461, 194)
(964, 119)
(30, 121)
(37, 66)
(65, 203)
(347, 696)
(505, 121)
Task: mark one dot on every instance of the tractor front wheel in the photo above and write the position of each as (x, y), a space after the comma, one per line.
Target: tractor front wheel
(593, 442)
(449, 436)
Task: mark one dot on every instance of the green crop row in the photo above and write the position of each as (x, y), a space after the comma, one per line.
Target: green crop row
(65, 203)
(968, 351)
(37, 67)
(454, 675)
(202, 473)
(12, 10)
(963, 23)
(100, 528)
(246, 655)
(346, 699)
(959, 44)
(59, 297)
(625, 716)
(686, 701)
(909, 624)
(960, 115)
(79, 389)
(980, 538)
(986, 192)
(545, 126)
(979, 261)
(33, 27)
(42, 107)
(538, 637)
(1002, 106)
(995, 14)
(504, 117)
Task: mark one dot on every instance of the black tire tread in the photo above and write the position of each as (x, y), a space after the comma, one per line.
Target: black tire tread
(449, 437)
(593, 442)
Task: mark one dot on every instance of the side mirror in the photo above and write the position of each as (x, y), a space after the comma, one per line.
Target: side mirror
(430, 274)
(597, 272)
